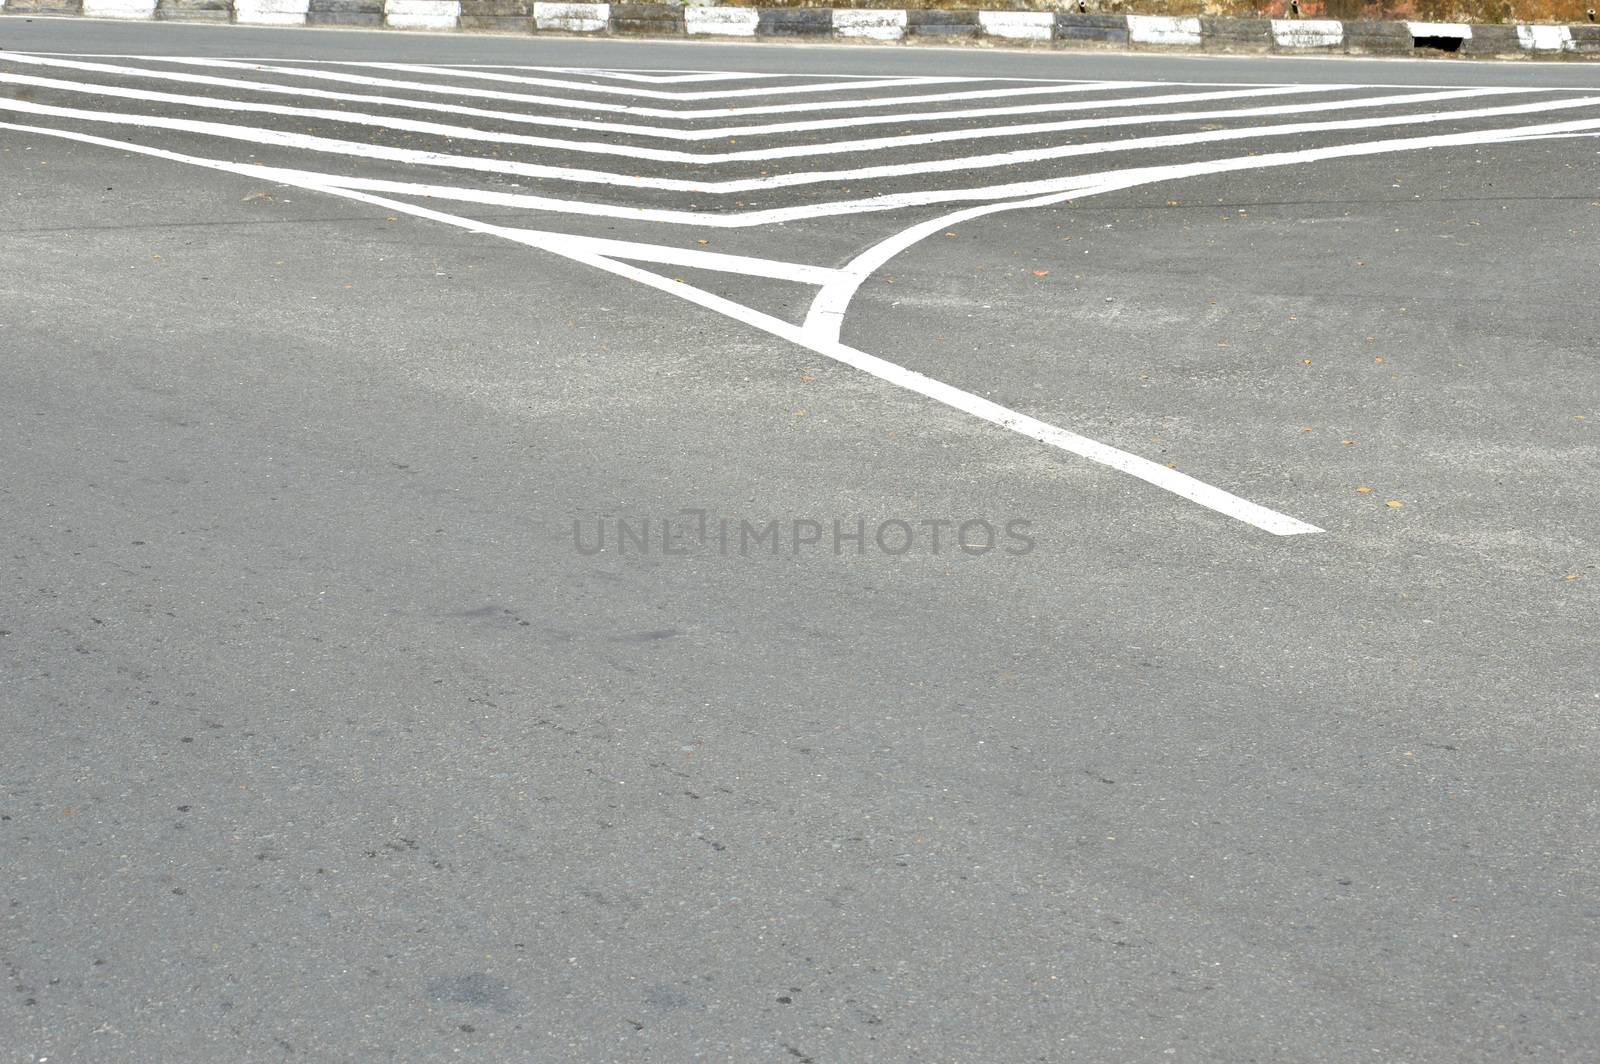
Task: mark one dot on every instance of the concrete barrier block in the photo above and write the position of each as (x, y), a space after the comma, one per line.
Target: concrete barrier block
(942, 24)
(1365, 36)
(1583, 39)
(1543, 38)
(881, 24)
(1163, 29)
(1295, 34)
(653, 19)
(43, 7)
(271, 12)
(794, 22)
(130, 9)
(419, 14)
(571, 18)
(721, 21)
(1104, 29)
(1236, 33)
(1493, 40)
(1018, 25)
(194, 10)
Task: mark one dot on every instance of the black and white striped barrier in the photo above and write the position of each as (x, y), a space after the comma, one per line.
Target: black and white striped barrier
(869, 25)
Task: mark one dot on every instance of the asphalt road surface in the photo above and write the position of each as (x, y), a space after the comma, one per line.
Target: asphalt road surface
(570, 550)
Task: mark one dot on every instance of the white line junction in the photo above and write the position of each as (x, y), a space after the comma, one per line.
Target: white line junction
(836, 286)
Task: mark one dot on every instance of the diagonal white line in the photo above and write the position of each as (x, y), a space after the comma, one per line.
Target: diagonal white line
(584, 250)
(815, 338)
(758, 154)
(410, 156)
(659, 132)
(778, 216)
(704, 260)
(655, 94)
(1153, 473)
(645, 112)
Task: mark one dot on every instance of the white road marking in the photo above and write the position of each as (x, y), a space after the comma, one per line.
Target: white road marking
(613, 108)
(665, 133)
(443, 160)
(820, 331)
(653, 94)
(755, 154)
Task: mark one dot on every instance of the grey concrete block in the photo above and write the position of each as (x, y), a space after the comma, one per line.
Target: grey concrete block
(945, 24)
(1253, 33)
(1363, 36)
(194, 10)
(795, 22)
(1105, 29)
(1493, 40)
(653, 19)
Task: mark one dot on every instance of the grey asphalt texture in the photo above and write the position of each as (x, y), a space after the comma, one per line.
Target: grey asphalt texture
(324, 743)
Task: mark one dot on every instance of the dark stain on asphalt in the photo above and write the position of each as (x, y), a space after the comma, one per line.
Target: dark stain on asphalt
(648, 637)
(477, 989)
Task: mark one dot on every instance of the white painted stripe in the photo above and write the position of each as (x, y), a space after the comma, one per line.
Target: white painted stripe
(1163, 29)
(422, 14)
(1108, 122)
(1153, 473)
(751, 155)
(1308, 33)
(869, 24)
(584, 250)
(1544, 38)
(887, 202)
(119, 8)
(1159, 475)
(271, 12)
(358, 149)
(571, 18)
(1125, 178)
(655, 94)
(658, 132)
(868, 103)
(1018, 25)
(1440, 29)
(706, 260)
(721, 21)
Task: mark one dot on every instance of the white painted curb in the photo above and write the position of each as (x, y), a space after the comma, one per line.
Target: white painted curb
(422, 14)
(721, 21)
(872, 25)
(1163, 29)
(572, 18)
(1307, 33)
(119, 8)
(271, 12)
(1544, 38)
(1018, 25)
(1440, 29)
